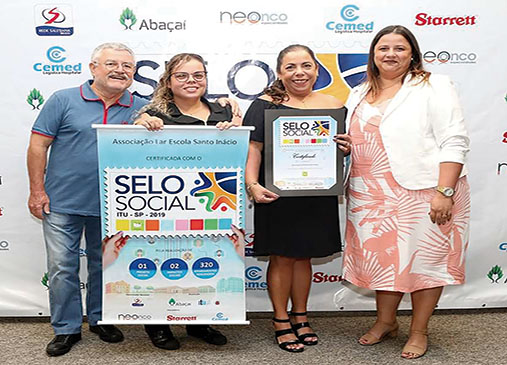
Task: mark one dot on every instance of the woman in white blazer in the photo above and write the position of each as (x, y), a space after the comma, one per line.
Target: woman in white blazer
(408, 199)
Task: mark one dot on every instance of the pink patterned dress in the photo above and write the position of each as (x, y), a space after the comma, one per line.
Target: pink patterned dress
(391, 243)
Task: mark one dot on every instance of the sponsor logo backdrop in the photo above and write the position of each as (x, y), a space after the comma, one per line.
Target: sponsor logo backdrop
(240, 41)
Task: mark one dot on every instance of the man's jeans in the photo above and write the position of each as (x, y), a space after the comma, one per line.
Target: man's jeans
(62, 233)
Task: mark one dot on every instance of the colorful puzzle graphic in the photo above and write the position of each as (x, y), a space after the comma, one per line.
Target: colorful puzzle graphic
(172, 202)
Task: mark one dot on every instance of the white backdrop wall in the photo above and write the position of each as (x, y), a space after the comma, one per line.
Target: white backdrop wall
(240, 41)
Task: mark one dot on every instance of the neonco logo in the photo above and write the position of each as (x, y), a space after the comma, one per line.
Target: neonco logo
(133, 317)
(422, 19)
(252, 17)
(445, 57)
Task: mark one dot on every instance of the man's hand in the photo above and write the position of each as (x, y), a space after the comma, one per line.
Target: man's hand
(38, 202)
(236, 111)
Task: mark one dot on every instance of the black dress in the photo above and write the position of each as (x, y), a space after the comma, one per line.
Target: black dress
(174, 116)
(292, 226)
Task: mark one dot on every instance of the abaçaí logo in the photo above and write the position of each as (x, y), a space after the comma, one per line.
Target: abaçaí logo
(495, 274)
(45, 280)
(35, 99)
(217, 190)
(128, 19)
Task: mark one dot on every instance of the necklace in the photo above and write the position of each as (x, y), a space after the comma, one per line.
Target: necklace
(390, 86)
(304, 100)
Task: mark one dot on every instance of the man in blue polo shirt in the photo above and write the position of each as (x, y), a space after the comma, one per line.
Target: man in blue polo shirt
(64, 192)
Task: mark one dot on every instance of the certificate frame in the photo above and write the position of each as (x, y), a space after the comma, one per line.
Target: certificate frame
(273, 118)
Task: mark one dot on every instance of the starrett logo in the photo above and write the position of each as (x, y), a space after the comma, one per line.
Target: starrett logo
(170, 317)
(495, 274)
(35, 99)
(425, 19)
(128, 18)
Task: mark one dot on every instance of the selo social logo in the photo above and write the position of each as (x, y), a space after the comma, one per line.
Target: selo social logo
(53, 20)
(338, 74)
(349, 14)
(253, 18)
(56, 56)
(130, 22)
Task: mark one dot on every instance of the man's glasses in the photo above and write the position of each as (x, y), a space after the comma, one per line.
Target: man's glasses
(184, 76)
(112, 65)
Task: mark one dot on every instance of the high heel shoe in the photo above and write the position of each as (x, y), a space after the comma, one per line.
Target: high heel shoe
(285, 345)
(373, 339)
(302, 337)
(418, 351)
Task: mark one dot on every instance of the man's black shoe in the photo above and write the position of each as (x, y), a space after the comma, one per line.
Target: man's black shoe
(107, 333)
(62, 344)
(162, 337)
(207, 334)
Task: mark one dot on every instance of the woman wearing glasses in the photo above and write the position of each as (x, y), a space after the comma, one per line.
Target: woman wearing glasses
(179, 100)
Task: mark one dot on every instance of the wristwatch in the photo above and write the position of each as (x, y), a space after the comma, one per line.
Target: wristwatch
(445, 191)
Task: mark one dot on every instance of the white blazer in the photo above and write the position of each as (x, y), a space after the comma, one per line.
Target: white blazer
(422, 126)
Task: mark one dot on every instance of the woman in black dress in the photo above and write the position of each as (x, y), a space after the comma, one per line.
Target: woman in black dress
(291, 230)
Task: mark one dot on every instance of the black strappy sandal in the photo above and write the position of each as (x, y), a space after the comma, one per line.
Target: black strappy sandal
(285, 345)
(303, 336)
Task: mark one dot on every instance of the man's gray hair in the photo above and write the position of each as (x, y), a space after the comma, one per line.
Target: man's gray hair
(111, 45)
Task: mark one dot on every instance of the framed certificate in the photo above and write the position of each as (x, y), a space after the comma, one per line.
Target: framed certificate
(301, 158)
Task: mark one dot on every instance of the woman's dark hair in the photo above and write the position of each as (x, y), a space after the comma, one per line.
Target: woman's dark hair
(163, 94)
(415, 69)
(277, 90)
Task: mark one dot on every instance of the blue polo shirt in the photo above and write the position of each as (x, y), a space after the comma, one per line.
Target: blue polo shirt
(72, 179)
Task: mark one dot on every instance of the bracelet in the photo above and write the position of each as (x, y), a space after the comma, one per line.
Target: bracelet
(249, 186)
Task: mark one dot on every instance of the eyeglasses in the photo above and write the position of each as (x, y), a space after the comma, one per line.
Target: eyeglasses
(113, 65)
(184, 76)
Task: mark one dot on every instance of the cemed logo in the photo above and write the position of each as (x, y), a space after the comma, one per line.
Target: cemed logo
(53, 20)
(220, 317)
(253, 280)
(56, 66)
(4, 245)
(349, 13)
